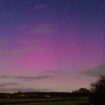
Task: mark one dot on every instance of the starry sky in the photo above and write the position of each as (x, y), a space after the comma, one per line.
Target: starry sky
(51, 45)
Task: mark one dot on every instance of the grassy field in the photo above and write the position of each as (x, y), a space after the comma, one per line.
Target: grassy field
(78, 101)
(53, 103)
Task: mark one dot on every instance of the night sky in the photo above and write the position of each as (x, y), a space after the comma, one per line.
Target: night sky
(51, 45)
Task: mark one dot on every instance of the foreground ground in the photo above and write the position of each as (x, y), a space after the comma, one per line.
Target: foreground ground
(54, 103)
(76, 101)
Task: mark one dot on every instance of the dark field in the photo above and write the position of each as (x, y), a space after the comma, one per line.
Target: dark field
(76, 101)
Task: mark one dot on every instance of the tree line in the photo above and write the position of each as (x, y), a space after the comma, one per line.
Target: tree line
(83, 92)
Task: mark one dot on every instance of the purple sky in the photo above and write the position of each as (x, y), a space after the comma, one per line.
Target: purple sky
(51, 45)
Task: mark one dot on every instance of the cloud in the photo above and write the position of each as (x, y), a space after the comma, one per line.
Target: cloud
(26, 78)
(44, 28)
(40, 7)
(103, 7)
(3, 1)
(61, 73)
(33, 78)
(95, 72)
(22, 50)
(7, 14)
(7, 84)
(5, 90)
(58, 72)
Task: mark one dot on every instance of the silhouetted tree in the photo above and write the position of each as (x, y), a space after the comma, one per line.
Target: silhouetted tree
(82, 92)
(98, 92)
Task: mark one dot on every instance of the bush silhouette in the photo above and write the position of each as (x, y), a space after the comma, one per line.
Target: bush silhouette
(98, 92)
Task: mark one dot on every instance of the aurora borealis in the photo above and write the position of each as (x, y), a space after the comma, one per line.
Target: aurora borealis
(51, 45)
